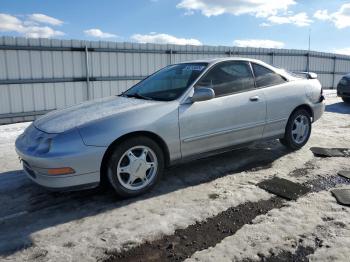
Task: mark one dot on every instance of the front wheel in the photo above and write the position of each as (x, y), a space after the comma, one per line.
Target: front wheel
(346, 99)
(298, 130)
(135, 166)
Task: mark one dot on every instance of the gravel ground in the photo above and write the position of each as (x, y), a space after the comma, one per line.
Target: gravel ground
(214, 202)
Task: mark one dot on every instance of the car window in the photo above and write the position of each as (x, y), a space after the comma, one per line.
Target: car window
(266, 77)
(228, 77)
(168, 83)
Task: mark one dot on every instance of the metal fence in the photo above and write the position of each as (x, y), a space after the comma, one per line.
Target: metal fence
(39, 75)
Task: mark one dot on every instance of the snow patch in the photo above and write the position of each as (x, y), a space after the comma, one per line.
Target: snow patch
(281, 229)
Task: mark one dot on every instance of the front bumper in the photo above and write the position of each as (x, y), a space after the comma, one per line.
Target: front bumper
(318, 110)
(62, 182)
(68, 151)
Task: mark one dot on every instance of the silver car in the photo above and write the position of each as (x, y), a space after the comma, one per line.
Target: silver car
(183, 111)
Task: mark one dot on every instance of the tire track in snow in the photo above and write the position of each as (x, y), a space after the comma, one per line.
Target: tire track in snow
(185, 242)
(202, 235)
(329, 222)
(294, 231)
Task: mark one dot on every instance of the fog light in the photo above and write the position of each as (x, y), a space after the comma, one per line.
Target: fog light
(60, 171)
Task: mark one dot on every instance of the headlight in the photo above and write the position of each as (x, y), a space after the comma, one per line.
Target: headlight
(44, 146)
(35, 141)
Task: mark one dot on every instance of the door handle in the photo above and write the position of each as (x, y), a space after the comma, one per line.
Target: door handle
(254, 98)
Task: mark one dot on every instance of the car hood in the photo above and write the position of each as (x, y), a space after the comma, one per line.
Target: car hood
(62, 120)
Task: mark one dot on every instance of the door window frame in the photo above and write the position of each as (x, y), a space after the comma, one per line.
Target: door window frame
(260, 87)
(229, 61)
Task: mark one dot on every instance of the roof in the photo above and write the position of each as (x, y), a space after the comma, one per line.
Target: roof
(212, 61)
(221, 59)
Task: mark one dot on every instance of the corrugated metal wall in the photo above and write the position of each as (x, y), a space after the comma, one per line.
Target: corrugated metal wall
(38, 75)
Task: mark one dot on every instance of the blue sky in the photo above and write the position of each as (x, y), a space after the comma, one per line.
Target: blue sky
(261, 23)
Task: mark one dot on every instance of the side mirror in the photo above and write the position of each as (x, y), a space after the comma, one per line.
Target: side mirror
(202, 94)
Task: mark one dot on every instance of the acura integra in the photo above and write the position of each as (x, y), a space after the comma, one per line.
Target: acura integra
(183, 111)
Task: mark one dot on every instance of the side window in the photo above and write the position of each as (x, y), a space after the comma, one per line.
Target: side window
(228, 77)
(266, 77)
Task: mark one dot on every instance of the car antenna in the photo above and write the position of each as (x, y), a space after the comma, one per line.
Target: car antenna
(308, 52)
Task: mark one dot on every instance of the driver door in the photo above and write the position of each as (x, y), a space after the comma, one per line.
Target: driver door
(236, 115)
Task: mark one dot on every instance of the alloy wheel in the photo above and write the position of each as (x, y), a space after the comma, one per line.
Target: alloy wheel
(137, 167)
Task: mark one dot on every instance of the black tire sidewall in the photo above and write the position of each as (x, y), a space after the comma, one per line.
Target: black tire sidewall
(288, 139)
(118, 152)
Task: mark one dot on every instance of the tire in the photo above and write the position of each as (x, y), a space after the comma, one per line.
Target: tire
(296, 137)
(144, 169)
(346, 99)
(283, 141)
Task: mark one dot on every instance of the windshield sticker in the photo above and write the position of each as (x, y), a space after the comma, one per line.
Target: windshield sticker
(194, 68)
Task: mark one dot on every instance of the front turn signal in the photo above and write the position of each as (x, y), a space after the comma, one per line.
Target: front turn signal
(60, 171)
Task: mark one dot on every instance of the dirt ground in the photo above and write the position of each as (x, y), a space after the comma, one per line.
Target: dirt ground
(206, 210)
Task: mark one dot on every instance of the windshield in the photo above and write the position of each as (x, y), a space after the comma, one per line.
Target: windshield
(168, 83)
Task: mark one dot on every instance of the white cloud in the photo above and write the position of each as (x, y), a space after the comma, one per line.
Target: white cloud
(264, 24)
(259, 8)
(341, 18)
(164, 39)
(258, 43)
(322, 15)
(41, 32)
(9, 23)
(269, 9)
(95, 32)
(45, 19)
(300, 19)
(343, 51)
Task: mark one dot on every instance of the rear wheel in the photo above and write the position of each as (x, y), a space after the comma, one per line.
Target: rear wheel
(346, 100)
(135, 166)
(298, 130)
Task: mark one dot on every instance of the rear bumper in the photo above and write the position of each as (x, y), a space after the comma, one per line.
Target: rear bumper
(318, 110)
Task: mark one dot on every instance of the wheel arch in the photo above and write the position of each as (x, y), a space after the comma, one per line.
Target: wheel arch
(124, 137)
(306, 107)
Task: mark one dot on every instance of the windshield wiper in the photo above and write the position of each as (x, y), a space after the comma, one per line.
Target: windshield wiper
(137, 95)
